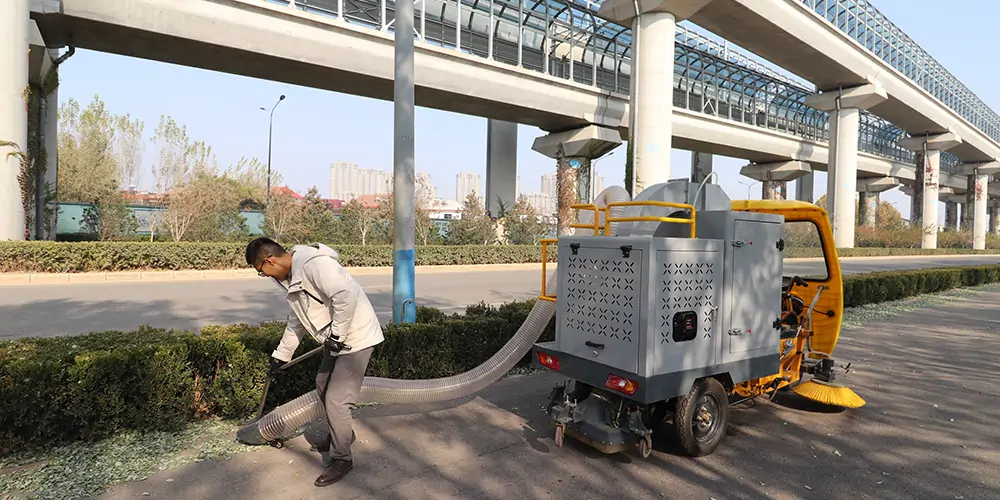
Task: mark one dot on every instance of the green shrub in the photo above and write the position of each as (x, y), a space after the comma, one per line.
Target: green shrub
(884, 286)
(75, 257)
(90, 386)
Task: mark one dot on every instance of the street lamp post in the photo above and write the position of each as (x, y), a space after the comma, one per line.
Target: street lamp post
(267, 195)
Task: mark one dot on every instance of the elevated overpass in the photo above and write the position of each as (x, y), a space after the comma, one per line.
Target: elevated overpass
(554, 65)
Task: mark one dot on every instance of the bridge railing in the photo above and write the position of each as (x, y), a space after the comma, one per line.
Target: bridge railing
(567, 40)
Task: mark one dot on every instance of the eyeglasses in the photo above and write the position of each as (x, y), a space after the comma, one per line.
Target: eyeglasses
(260, 270)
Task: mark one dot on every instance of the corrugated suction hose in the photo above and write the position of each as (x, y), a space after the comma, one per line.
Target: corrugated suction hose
(292, 415)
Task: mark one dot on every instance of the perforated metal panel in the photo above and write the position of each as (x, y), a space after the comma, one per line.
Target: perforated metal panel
(599, 303)
(687, 293)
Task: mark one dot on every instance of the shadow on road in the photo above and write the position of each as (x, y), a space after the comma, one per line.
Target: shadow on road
(927, 432)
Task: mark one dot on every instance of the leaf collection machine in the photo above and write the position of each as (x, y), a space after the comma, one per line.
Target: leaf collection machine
(677, 308)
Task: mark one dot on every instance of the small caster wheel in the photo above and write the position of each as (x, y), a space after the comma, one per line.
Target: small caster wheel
(560, 434)
(646, 446)
(277, 444)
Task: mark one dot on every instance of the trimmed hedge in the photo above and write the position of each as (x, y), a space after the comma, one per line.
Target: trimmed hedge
(60, 389)
(76, 257)
(885, 286)
(91, 386)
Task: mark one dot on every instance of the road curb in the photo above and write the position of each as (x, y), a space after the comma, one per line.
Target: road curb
(188, 275)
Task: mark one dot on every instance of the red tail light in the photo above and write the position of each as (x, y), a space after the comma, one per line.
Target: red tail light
(620, 384)
(548, 360)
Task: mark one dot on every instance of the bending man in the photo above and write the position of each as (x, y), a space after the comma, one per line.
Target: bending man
(327, 303)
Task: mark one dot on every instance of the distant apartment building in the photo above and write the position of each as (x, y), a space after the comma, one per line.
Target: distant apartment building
(347, 181)
(468, 182)
(544, 204)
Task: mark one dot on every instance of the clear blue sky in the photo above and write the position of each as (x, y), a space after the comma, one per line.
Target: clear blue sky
(314, 128)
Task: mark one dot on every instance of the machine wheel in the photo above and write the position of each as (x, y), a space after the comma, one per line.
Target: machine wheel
(560, 435)
(701, 417)
(646, 446)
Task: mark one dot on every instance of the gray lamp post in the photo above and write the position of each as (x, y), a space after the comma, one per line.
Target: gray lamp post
(267, 194)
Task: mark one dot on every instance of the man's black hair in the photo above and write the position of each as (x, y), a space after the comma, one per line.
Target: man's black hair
(262, 248)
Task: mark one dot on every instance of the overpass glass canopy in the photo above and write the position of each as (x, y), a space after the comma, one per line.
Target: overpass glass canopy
(566, 39)
(860, 20)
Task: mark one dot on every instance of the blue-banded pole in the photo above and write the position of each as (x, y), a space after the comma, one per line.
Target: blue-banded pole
(403, 296)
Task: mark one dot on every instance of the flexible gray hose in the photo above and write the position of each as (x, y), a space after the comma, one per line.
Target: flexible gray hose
(306, 408)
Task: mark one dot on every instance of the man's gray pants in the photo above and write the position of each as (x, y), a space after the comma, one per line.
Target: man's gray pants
(338, 384)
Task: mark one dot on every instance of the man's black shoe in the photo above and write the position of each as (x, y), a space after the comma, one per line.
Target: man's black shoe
(334, 472)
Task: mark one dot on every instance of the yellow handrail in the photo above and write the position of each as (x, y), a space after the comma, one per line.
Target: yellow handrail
(596, 226)
(545, 257)
(648, 218)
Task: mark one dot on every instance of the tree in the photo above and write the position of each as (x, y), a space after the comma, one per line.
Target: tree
(174, 146)
(109, 218)
(425, 230)
(284, 219)
(318, 218)
(358, 221)
(888, 217)
(206, 207)
(474, 228)
(251, 177)
(87, 164)
(129, 150)
(522, 224)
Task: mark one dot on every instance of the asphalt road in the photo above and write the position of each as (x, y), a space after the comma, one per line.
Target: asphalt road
(72, 308)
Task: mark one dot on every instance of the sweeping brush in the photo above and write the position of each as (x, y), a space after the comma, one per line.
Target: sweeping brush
(829, 393)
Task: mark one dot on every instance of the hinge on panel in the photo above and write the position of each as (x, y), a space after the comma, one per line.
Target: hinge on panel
(776, 324)
(780, 244)
(626, 249)
(575, 247)
(736, 331)
(737, 243)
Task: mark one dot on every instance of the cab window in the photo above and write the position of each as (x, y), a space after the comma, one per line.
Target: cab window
(803, 254)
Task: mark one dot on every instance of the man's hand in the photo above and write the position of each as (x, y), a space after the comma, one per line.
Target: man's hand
(273, 369)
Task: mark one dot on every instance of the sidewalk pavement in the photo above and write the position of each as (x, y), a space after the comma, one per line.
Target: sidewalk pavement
(928, 431)
(195, 274)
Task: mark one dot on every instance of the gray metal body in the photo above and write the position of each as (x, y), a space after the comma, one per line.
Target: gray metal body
(666, 310)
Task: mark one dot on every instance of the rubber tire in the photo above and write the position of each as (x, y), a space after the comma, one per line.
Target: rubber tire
(683, 416)
(645, 447)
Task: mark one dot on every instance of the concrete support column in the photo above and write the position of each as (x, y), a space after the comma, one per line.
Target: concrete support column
(869, 189)
(774, 177)
(928, 171)
(804, 188)
(501, 166)
(950, 215)
(651, 97)
(50, 138)
(773, 190)
(977, 198)
(964, 213)
(14, 21)
(979, 212)
(995, 219)
(917, 194)
(842, 167)
(701, 166)
(573, 151)
(970, 201)
(866, 209)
